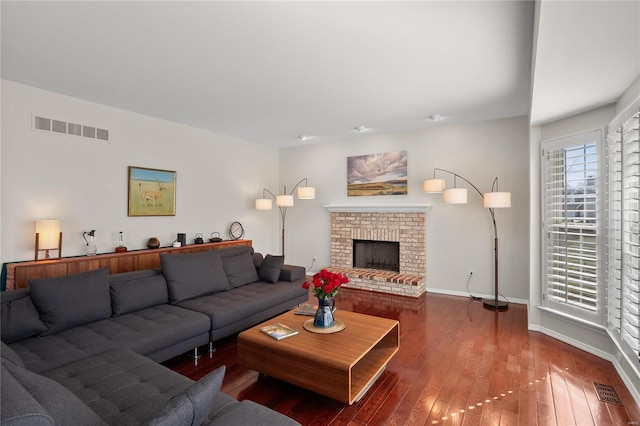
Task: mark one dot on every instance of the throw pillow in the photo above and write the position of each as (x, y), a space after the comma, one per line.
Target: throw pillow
(193, 274)
(138, 294)
(271, 268)
(194, 404)
(240, 269)
(177, 411)
(63, 406)
(72, 300)
(203, 393)
(10, 355)
(20, 320)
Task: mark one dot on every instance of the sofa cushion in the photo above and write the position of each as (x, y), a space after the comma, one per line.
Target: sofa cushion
(271, 268)
(138, 294)
(240, 269)
(250, 413)
(121, 387)
(20, 319)
(58, 402)
(198, 401)
(177, 411)
(257, 259)
(57, 299)
(19, 408)
(293, 273)
(193, 274)
(237, 304)
(9, 355)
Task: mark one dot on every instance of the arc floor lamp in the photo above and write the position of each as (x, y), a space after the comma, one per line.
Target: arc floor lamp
(285, 200)
(492, 200)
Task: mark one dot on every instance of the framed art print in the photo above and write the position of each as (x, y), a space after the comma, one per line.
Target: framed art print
(152, 192)
(377, 174)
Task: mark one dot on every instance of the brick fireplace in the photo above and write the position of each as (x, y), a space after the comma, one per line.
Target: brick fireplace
(405, 224)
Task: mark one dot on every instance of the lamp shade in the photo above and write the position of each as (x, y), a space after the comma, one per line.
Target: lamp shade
(433, 185)
(264, 204)
(496, 200)
(306, 193)
(48, 234)
(284, 200)
(455, 196)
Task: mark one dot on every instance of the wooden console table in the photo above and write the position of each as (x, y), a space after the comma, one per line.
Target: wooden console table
(19, 273)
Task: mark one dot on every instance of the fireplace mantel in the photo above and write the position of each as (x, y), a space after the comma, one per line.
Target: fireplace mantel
(378, 207)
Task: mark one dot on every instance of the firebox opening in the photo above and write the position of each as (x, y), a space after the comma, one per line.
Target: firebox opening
(383, 255)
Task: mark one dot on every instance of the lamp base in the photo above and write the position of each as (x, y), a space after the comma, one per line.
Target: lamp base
(498, 305)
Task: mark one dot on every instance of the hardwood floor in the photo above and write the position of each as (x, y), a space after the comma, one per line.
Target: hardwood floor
(458, 364)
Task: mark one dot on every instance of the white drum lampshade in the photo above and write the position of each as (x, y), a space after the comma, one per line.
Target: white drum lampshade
(433, 185)
(455, 196)
(496, 200)
(284, 200)
(306, 193)
(264, 204)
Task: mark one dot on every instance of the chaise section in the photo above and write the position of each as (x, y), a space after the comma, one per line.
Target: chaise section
(236, 309)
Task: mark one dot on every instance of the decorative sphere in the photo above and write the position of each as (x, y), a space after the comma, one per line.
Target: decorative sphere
(153, 243)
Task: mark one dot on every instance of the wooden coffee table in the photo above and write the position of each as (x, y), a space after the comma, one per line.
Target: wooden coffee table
(341, 366)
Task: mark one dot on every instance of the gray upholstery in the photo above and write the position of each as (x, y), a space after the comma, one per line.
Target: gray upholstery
(247, 305)
(23, 409)
(136, 294)
(120, 386)
(293, 273)
(9, 355)
(20, 320)
(57, 299)
(59, 403)
(145, 332)
(240, 269)
(193, 274)
(270, 268)
(94, 364)
(248, 413)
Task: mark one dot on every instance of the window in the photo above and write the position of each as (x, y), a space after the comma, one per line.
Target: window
(571, 226)
(623, 217)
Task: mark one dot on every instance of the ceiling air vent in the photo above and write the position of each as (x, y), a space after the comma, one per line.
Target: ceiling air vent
(72, 129)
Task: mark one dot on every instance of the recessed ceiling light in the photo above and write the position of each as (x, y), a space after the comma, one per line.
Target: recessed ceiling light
(360, 129)
(303, 137)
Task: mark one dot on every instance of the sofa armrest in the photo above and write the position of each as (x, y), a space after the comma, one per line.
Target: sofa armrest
(293, 273)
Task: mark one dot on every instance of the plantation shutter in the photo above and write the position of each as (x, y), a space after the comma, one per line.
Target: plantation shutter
(623, 248)
(570, 225)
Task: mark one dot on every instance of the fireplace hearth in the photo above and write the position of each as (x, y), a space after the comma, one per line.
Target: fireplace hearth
(404, 226)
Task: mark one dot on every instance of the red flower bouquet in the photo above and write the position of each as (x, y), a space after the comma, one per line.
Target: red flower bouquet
(326, 284)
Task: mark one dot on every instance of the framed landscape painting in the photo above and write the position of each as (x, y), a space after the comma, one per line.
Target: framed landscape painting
(377, 174)
(152, 192)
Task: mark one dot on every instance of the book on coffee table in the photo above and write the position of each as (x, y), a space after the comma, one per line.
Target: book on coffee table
(305, 309)
(278, 331)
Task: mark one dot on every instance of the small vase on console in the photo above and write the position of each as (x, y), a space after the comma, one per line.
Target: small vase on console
(324, 315)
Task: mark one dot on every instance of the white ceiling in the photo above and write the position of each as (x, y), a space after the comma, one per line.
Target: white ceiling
(588, 54)
(270, 71)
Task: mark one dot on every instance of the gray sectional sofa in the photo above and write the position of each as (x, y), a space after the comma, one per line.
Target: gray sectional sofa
(84, 349)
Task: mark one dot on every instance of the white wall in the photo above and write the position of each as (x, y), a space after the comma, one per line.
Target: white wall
(459, 238)
(84, 183)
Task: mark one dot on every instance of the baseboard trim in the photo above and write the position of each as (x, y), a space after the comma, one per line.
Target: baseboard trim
(479, 295)
(628, 381)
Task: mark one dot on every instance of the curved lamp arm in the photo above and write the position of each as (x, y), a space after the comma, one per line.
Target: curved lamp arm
(493, 185)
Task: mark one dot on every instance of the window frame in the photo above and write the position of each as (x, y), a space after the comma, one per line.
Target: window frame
(596, 317)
